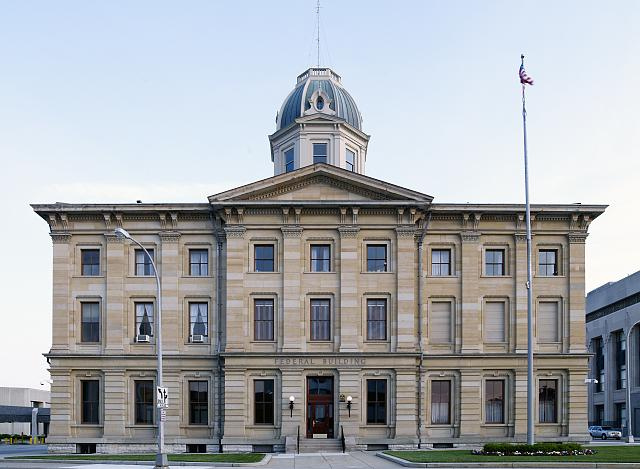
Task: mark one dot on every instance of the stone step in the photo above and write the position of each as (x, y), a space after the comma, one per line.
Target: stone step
(320, 445)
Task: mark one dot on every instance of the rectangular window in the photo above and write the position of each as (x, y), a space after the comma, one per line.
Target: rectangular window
(599, 414)
(377, 319)
(547, 401)
(620, 344)
(598, 350)
(198, 402)
(90, 322)
(320, 320)
(90, 261)
(90, 401)
(548, 262)
(320, 258)
(441, 262)
(319, 153)
(143, 262)
(288, 161)
(548, 322)
(494, 262)
(198, 262)
(440, 322)
(376, 257)
(263, 319)
(144, 319)
(263, 401)
(441, 402)
(144, 394)
(494, 322)
(377, 401)
(350, 160)
(264, 258)
(494, 401)
(199, 319)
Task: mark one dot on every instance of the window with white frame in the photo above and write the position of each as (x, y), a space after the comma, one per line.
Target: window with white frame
(320, 319)
(350, 160)
(90, 262)
(199, 318)
(144, 318)
(263, 319)
(143, 262)
(289, 164)
(440, 262)
(319, 153)
(90, 321)
(199, 262)
(376, 319)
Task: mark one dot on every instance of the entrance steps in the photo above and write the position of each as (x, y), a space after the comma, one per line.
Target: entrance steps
(320, 445)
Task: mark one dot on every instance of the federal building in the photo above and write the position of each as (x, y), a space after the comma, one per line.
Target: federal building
(316, 303)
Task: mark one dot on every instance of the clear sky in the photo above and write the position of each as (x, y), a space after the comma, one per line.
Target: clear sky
(113, 101)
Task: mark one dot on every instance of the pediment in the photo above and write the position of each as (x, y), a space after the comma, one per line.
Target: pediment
(320, 183)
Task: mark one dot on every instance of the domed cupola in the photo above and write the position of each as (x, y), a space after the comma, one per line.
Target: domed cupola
(318, 122)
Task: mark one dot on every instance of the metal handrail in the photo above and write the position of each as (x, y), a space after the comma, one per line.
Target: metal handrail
(342, 442)
(298, 441)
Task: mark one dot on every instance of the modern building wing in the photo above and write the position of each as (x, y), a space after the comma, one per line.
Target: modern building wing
(613, 336)
(388, 318)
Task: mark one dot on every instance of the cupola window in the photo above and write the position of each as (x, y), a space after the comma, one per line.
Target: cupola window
(319, 103)
(350, 160)
(319, 153)
(288, 161)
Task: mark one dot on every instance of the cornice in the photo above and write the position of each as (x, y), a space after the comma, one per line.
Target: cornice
(292, 231)
(348, 231)
(235, 231)
(170, 236)
(60, 238)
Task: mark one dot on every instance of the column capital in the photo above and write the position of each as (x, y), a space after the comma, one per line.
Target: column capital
(170, 236)
(60, 238)
(348, 231)
(235, 231)
(470, 236)
(292, 231)
(578, 237)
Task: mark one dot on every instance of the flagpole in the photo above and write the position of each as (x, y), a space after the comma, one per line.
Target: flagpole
(530, 382)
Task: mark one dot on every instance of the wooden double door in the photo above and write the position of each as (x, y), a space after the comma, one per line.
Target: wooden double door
(320, 407)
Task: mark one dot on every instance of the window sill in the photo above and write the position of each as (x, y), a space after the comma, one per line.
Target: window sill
(442, 276)
(141, 276)
(262, 273)
(262, 426)
(197, 276)
(196, 426)
(142, 426)
(496, 276)
(377, 273)
(377, 341)
(441, 425)
(87, 425)
(266, 342)
(494, 425)
(88, 276)
(320, 272)
(549, 276)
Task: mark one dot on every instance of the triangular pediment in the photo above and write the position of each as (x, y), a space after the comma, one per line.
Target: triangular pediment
(320, 183)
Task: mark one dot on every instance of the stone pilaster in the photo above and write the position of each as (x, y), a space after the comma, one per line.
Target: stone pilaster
(520, 402)
(576, 402)
(237, 313)
(62, 250)
(470, 403)
(293, 298)
(576, 303)
(292, 385)
(520, 278)
(61, 403)
(115, 399)
(115, 329)
(170, 268)
(471, 321)
(406, 277)
(406, 412)
(349, 307)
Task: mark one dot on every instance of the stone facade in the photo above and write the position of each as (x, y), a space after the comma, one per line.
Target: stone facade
(385, 317)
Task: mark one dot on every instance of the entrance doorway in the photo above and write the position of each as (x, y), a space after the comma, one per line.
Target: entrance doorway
(320, 407)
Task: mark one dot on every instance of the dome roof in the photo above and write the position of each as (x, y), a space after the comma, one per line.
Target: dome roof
(326, 82)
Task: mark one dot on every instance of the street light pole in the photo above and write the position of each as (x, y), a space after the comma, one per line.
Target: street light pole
(626, 353)
(161, 457)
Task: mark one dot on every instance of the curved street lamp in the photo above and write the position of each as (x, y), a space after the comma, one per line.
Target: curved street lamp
(161, 457)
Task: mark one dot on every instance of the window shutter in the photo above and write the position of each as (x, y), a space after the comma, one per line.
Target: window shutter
(440, 321)
(494, 320)
(548, 321)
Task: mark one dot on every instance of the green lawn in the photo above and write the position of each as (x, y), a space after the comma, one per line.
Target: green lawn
(604, 454)
(231, 458)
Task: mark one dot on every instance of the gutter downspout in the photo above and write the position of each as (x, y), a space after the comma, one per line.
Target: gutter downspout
(219, 333)
(421, 364)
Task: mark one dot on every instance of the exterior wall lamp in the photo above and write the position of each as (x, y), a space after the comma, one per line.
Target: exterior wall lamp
(349, 399)
(291, 401)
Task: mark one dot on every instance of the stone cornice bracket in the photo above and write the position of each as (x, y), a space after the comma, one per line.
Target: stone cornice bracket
(163, 220)
(174, 220)
(285, 215)
(228, 212)
(406, 231)
(348, 231)
(574, 223)
(292, 231)
(412, 215)
(60, 238)
(520, 222)
(578, 238)
(240, 212)
(118, 217)
(112, 238)
(476, 221)
(400, 220)
(297, 212)
(343, 215)
(235, 231)
(465, 221)
(354, 211)
(107, 221)
(170, 236)
(64, 221)
(586, 221)
(53, 221)
(470, 236)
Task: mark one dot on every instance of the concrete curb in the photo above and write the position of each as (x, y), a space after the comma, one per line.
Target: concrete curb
(265, 460)
(515, 465)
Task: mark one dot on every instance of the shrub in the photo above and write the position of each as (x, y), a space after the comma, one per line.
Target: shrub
(541, 449)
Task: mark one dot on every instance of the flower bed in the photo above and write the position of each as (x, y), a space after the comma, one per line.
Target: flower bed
(538, 449)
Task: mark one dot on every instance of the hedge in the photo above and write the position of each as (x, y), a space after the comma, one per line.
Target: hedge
(510, 449)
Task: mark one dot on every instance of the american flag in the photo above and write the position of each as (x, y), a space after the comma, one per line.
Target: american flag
(524, 78)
